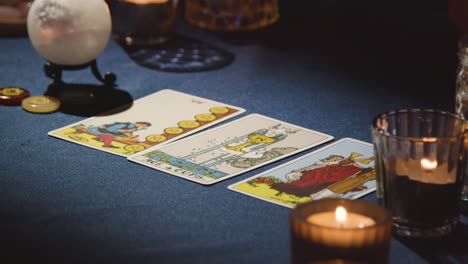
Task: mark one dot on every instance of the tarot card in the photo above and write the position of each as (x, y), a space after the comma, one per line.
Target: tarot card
(344, 169)
(230, 149)
(153, 120)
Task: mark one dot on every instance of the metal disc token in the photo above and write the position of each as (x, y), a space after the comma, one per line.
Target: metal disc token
(41, 104)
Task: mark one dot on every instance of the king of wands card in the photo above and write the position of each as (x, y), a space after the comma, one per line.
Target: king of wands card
(344, 169)
(153, 120)
(230, 149)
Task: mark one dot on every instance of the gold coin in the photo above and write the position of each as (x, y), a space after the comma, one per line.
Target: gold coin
(173, 130)
(219, 110)
(12, 95)
(134, 148)
(205, 117)
(41, 104)
(11, 91)
(156, 138)
(188, 124)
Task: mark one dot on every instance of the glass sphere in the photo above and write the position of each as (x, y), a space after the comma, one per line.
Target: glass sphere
(69, 32)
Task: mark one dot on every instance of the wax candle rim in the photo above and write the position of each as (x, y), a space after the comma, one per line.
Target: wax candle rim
(382, 221)
(377, 224)
(338, 226)
(374, 225)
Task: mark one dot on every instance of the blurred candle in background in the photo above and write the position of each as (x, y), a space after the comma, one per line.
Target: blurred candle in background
(231, 15)
(143, 22)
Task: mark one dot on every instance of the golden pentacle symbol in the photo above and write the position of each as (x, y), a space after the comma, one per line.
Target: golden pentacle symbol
(11, 91)
(40, 100)
(205, 117)
(219, 110)
(134, 148)
(156, 138)
(174, 130)
(188, 124)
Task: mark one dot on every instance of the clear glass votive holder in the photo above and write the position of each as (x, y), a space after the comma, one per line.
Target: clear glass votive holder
(318, 235)
(420, 162)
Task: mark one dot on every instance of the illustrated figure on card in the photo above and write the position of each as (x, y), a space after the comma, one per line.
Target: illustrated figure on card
(259, 139)
(242, 152)
(231, 149)
(124, 130)
(156, 119)
(330, 177)
(344, 169)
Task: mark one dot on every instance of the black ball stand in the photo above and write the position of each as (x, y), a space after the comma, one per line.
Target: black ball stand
(84, 99)
(54, 71)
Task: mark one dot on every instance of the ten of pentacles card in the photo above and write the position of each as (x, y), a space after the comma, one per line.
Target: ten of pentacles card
(231, 149)
(344, 169)
(153, 120)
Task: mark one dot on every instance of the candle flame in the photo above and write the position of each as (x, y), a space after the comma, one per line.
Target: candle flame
(428, 164)
(429, 139)
(341, 214)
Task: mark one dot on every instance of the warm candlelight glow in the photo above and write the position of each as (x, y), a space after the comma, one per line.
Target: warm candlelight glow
(340, 218)
(341, 214)
(428, 164)
(340, 231)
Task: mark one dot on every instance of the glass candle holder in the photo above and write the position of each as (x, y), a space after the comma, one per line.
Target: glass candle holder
(320, 235)
(143, 22)
(420, 164)
(231, 15)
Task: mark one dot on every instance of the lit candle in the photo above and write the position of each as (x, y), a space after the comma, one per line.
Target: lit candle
(145, 22)
(428, 164)
(339, 231)
(426, 170)
(340, 218)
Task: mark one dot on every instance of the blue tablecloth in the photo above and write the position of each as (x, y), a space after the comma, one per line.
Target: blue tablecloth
(329, 67)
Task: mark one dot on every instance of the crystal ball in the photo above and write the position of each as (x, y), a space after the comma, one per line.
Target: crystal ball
(69, 32)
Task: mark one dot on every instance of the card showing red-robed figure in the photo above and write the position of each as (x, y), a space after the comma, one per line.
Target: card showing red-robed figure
(344, 169)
